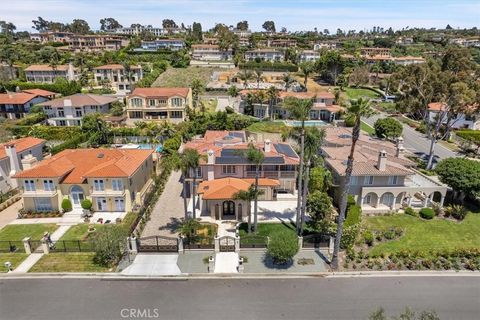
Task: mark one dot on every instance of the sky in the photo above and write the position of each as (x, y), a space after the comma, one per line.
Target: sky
(295, 15)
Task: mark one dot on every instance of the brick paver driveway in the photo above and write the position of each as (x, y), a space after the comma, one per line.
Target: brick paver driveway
(168, 210)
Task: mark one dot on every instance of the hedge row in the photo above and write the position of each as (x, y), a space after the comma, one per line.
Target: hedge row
(269, 66)
(73, 143)
(61, 86)
(46, 132)
(470, 135)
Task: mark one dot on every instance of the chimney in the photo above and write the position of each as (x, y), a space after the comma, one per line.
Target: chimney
(211, 157)
(67, 103)
(29, 162)
(11, 152)
(267, 145)
(382, 160)
(400, 147)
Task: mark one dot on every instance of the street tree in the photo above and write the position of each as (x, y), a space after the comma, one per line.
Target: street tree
(388, 128)
(269, 26)
(109, 24)
(462, 175)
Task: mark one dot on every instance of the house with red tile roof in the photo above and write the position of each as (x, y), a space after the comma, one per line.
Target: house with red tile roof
(44, 73)
(16, 105)
(225, 170)
(158, 104)
(383, 178)
(469, 119)
(115, 180)
(17, 155)
(324, 107)
(115, 76)
(69, 110)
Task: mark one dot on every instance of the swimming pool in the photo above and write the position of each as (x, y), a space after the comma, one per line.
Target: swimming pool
(148, 146)
(308, 123)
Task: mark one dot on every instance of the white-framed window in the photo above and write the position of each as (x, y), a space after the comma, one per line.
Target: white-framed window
(368, 180)
(43, 204)
(228, 169)
(353, 180)
(151, 102)
(29, 185)
(136, 102)
(98, 185)
(117, 185)
(198, 172)
(392, 180)
(176, 114)
(48, 185)
(162, 101)
(177, 102)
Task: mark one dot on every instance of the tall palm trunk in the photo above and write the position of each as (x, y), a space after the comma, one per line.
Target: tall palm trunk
(345, 186)
(300, 174)
(194, 209)
(255, 203)
(184, 195)
(304, 197)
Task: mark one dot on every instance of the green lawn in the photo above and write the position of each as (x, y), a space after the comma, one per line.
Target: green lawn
(68, 262)
(355, 93)
(366, 127)
(267, 126)
(264, 230)
(17, 232)
(427, 235)
(79, 232)
(14, 258)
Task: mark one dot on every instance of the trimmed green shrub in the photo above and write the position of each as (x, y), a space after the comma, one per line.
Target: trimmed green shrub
(282, 247)
(86, 204)
(354, 213)
(388, 128)
(109, 245)
(459, 212)
(411, 212)
(66, 205)
(368, 237)
(427, 213)
(73, 143)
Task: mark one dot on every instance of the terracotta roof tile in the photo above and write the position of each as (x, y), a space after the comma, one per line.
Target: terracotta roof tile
(80, 100)
(226, 188)
(40, 92)
(75, 165)
(21, 145)
(16, 97)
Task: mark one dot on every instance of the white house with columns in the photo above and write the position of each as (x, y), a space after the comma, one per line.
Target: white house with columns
(383, 179)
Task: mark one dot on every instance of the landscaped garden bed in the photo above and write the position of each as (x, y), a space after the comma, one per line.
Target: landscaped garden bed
(69, 262)
(29, 214)
(405, 242)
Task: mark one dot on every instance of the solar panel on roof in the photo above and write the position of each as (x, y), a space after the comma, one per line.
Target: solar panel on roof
(285, 149)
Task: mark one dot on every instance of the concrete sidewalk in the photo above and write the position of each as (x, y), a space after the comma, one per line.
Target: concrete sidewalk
(226, 262)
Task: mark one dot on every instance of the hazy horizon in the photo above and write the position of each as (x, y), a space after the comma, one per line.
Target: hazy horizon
(295, 16)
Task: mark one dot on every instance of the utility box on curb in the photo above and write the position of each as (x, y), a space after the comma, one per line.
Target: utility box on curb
(240, 265)
(211, 264)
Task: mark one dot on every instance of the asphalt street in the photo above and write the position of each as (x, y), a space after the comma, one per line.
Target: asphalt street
(453, 297)
(416, 142)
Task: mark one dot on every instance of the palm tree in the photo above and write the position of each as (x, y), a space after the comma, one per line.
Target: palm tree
(307, 68)
(197, 89)
(356, 109)
(299, 109)
(188, 228)
(272, 94)
(288, 79)
(245, 75)
(190, 162)
(376, 68)
(255, 157)
(260, 97)
(313, 140)
(258, 75)
(248, 196)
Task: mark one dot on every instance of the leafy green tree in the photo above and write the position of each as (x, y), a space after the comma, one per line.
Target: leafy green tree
(388, 128)
(109, 244)
(233, 91)
(242, 25)
(79, 26)
(245, 75)
(462, 175)
(282, 247)
(96, 128)
(198, 87)
(358, 109)
(168, 24)
(66, 205)
(109, 24)
(188, 228)
(320, 179)
(269, 26)
(359, 76)
(197, 31)
(319, 207)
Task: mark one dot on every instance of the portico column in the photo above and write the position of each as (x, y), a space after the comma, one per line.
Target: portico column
(362, 198)
(441, 200)
(410, 199)
(378, 201)
(425, 202)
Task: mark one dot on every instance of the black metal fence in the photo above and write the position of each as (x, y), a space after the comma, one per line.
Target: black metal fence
(253, 241)
(199, 243)
(72, 246)
(317, 240)
(11, 246)
(157, 244)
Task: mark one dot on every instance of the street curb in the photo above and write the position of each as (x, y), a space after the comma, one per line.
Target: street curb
(204, 276)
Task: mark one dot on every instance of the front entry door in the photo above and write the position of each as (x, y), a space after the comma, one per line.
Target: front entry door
(101, 204)
(228, 208)
(77, 198)
(119, 204)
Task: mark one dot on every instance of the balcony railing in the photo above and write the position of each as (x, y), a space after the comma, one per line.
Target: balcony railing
(271, 174)
(106, 192)
(40, 193)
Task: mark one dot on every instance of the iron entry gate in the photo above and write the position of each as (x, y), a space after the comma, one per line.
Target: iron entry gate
(227, 244)
(157, 244)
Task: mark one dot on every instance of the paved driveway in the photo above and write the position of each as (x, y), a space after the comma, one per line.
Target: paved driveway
(417, 142)
(153, 265)
(168, 210)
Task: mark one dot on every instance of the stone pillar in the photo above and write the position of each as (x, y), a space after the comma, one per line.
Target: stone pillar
(331, 244)
(410, 199)
(300, 242)
(442, 199)
(240, 265)
(26, 245)
(133, 244)
(425, 202)
(45, 247)
(362, 198)
(237, 244)
(378, 201)
(217, 243)
(180, 245)
(211, 264)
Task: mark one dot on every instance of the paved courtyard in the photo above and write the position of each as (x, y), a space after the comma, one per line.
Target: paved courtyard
(168, 210)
